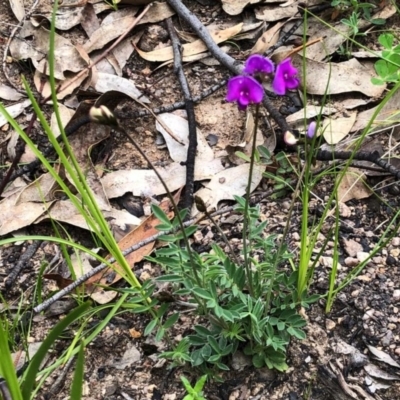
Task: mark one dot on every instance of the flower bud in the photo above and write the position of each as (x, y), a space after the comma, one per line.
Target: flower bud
(289, 138)
(102, 115)
(312, 128)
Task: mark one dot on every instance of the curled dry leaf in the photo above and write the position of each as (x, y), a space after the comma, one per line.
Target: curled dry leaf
(190, 49)
(382, 356)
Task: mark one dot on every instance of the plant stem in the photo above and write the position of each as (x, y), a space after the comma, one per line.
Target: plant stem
(246, 225)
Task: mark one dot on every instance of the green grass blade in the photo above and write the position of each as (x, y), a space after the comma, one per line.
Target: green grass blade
(54, 334)
(77, 383)
(7, 369)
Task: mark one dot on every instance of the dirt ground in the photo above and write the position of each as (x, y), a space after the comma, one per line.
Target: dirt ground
(122, 365)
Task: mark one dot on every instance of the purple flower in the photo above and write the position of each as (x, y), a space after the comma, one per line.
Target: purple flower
(311, 129)
(257, 64)
(285, 77)
(245, 90)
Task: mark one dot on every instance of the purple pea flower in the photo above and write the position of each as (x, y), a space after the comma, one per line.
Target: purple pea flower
(285, 77)
(311, 129)
(245, 90)
(257, 64)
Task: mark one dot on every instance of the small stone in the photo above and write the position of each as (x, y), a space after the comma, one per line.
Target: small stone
(396, 295)
(390, 260)
(368, 314)
(351, 247)
(351, 261)
(145, 276)
(396, 242)
(395, 252)
(344, 210)
(296, 236)
(387, 339)
(329, 324)
(362, 256)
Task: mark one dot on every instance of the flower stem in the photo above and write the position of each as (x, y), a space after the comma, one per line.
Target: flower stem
(246, 224)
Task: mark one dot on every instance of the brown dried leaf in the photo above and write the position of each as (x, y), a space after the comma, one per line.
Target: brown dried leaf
(334, 130)
(190, 49)
(352, 186)
(116, 23)
(267, 39)
(235, 7)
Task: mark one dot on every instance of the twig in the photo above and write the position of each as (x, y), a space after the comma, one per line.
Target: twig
(68, 289)
(189, 105)
(374, 157)
(23, 260)
(234, 66)
(59, 382)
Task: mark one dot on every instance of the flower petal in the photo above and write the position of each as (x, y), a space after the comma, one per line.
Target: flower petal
(234, 88)
(278, 84)
(255, 90)
(292, 83)
(258, 64)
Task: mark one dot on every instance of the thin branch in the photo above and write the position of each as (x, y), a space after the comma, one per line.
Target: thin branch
(22, 262)
(189, 105)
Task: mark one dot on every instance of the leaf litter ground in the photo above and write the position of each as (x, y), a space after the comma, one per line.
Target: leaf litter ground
(120, 362)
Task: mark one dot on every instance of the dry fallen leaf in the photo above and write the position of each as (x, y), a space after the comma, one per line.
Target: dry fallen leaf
(382, 356)
(190, 49)
(387, 116)
(17, 7)
(9, 93)
(334, 78)
(14, 110)
(117, 22)
(230, 182)
(267, 39)
(145, 230)
(275, 12)
(107, 82)
(334, 130)
(66, 56)
(235, 7)
(352, 186)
